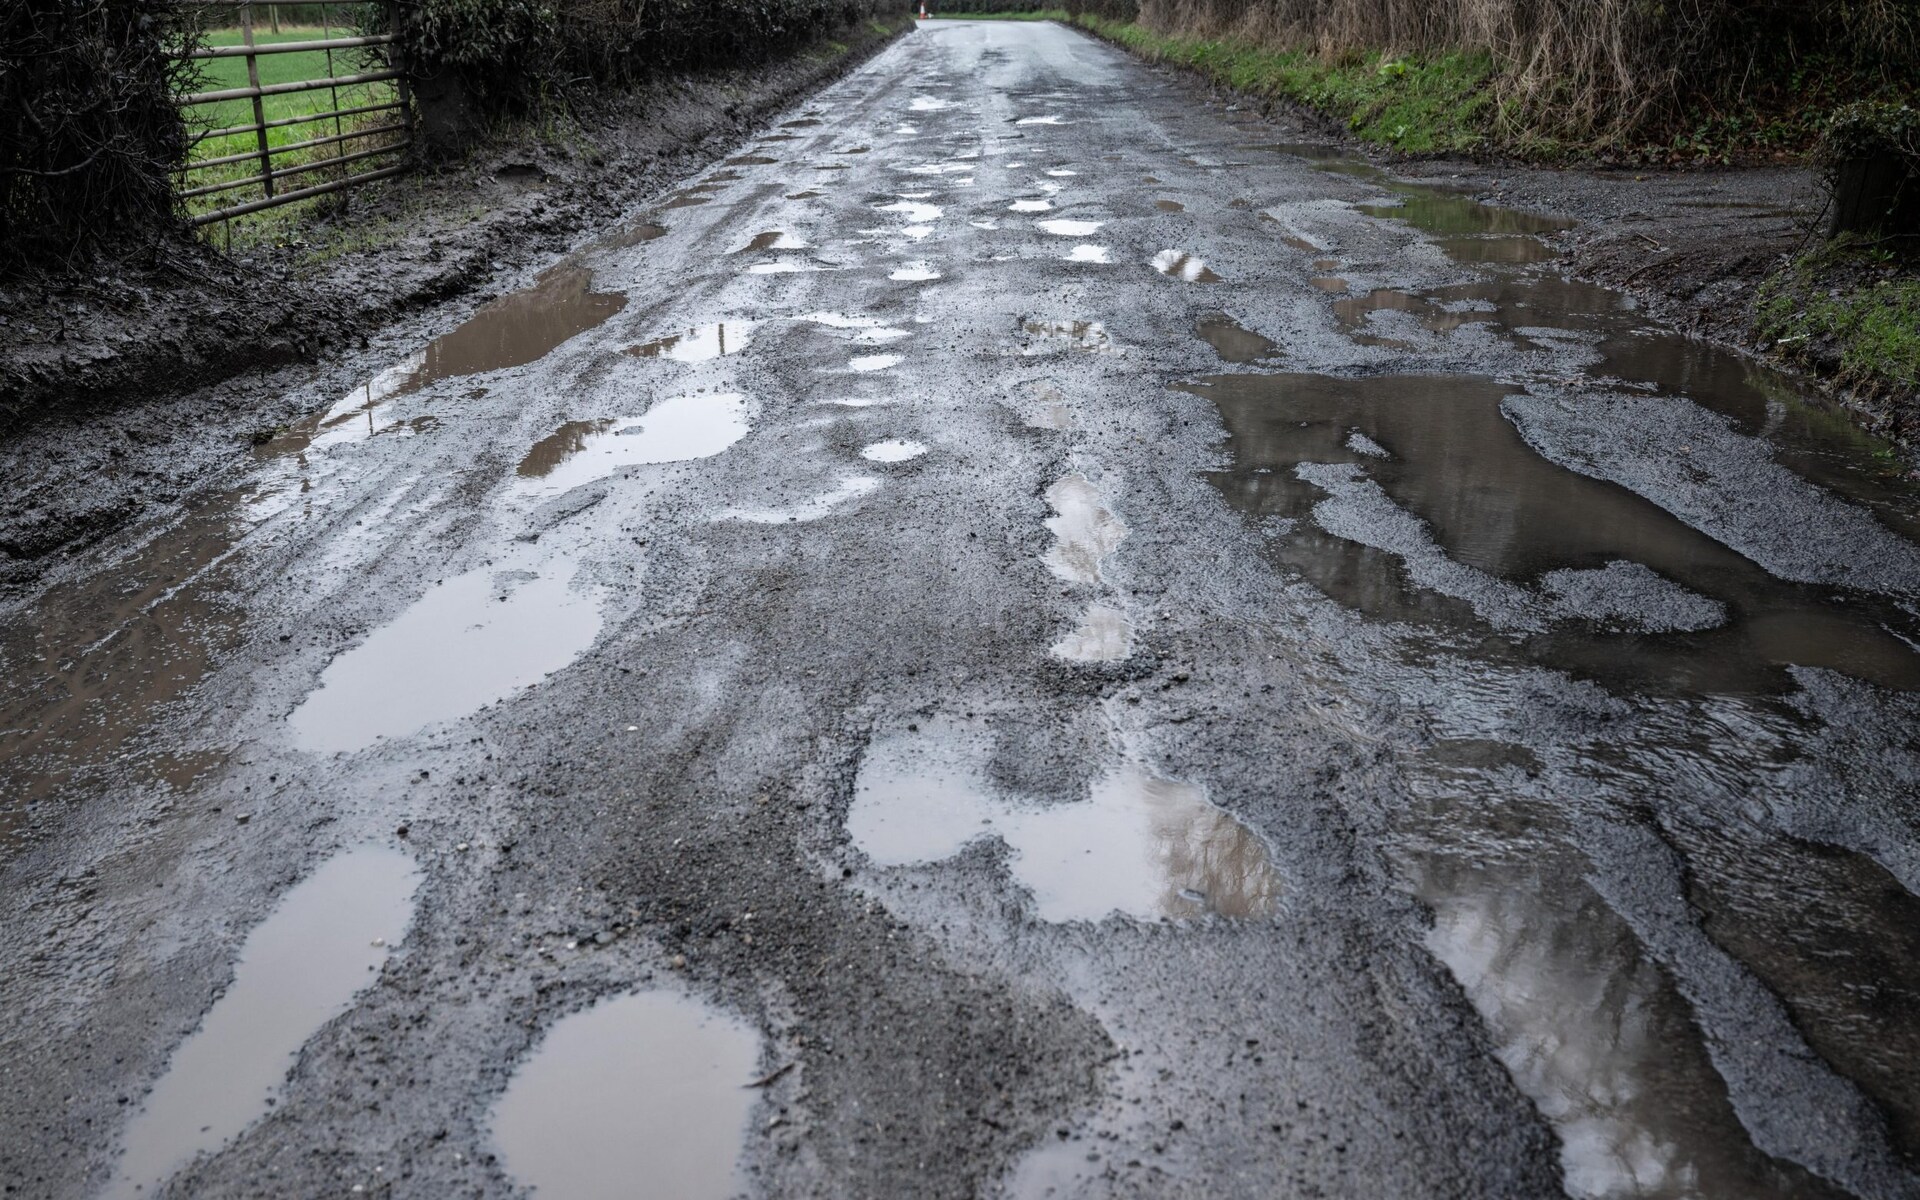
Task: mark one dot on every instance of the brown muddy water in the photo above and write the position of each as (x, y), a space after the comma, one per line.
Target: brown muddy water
(1233, 342)
(1417, 499)
(1498, 542)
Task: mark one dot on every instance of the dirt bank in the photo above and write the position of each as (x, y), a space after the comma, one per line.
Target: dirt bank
(105, 352)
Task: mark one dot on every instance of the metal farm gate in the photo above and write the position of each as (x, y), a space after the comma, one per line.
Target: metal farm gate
(298, 143)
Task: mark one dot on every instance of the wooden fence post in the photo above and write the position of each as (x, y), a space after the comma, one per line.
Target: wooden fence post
(397, 60)
(259, 109)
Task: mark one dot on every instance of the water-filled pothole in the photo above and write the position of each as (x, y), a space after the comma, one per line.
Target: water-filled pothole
(1466, 526)
(1232, 342)
(1138, 844)
(677, 429)
(699, 344)
(1178, 264)
(320, 947)
(641, 1095)
(468, 642)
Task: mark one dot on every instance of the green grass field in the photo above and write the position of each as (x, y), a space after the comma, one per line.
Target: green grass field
(220, 74)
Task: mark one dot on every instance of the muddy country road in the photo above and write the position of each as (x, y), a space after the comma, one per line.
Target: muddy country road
(1021, 637)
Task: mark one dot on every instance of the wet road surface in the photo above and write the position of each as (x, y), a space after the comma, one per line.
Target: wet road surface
(1021, 637)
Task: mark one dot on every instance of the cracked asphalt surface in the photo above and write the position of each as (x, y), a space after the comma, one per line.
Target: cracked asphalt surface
(1025, 636)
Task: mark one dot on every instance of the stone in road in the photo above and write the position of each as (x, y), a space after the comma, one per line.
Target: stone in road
(1022, 637)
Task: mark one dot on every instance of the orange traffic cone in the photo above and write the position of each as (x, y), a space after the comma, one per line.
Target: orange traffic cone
(923, 12)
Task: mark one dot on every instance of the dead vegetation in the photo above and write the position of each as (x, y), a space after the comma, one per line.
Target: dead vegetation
(1585, 70)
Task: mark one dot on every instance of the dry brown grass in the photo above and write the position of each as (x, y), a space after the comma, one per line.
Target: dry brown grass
(1583, 67)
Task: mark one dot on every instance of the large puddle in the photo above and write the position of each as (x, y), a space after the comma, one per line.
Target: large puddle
(518, 328)
(677, 429)
(641, 1095)
(1138, 844)
(302, 966)
(471, 640)
(1441, 514)
(1595, 1034)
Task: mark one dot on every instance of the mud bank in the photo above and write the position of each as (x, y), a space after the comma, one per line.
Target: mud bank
(88, 368)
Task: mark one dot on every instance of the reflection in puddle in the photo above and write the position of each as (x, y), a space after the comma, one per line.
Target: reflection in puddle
(1089, 254)
(1465, 520)
(642, 1095)
(773, 239)
(852, 487)
(1232, 342)
(893, 451)
(1047, 120)
(1810, 439)
(1062, 227)
(700, 343)
(468, 642)
(1139, 845)
(915, 212)
(1104, 635)
(514, 330)
(550, 451)
(867, 363)
(1596, 1035)
(1085, 531)
(322, 945)
(676, 429)
(918, 272)
(1179, 265)
(1079, 335)
(1030, 206)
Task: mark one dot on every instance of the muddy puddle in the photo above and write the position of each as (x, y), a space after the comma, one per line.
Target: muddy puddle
(1233, 342)
(321, 946)
(894, 450)
(517, 329)
(702, 343)
(633, 235)
(1463, 527)
(1104, 635)
(471, 640)
(1532, 311)
(1836, 937)
(1178, 264)
(772, 239)
(1136, 844)
(95, 662)
(1593, 1032)
(1085, 531)
(641, 1095)
(677, 429)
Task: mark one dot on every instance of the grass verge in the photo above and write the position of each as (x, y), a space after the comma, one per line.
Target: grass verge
(1853, 310)
(1416, 105)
